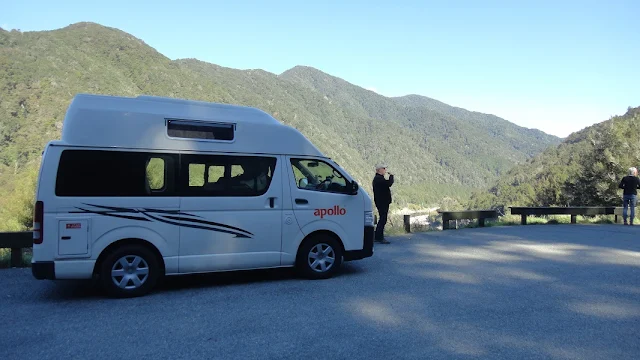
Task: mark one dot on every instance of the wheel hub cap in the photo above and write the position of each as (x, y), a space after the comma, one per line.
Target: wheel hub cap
(321, 257)
(130, 272)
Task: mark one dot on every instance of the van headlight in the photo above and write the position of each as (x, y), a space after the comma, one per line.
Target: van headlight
(368, 218)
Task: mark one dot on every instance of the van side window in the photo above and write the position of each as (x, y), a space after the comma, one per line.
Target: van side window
(216, 172)
(226, 175)
(200, 130)
(196, 174)
(156, 173)
(318, 176)
(115, 173)
(206, 175)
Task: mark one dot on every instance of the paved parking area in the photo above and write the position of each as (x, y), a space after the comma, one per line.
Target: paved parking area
(522, 292)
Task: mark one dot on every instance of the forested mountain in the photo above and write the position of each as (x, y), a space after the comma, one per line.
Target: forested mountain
(440, 124)
(435, 152)
(529, 141)
(584, 170)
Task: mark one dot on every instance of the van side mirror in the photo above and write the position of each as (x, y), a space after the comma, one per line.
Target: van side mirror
(353, 188)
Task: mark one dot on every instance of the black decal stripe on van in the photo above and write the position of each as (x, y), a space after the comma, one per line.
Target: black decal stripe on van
(207, 223)
(134, 210)
(115, 208)
(237, 234)
(190, 222)
(177, 212)
(110, 213)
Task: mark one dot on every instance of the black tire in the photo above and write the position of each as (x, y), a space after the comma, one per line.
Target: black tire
(308, 267)
(147, 272)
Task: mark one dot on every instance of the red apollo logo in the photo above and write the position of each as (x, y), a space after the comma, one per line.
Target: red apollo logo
(335, 211)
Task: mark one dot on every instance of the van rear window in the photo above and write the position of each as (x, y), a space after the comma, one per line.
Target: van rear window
(115, 173)
(200, 130)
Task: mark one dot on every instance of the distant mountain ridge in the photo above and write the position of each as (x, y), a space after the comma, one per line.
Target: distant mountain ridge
(458, 112)
(362, 98)
(435, 150)
(453, 135)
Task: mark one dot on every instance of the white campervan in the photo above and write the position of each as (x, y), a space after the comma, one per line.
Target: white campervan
(139, 188)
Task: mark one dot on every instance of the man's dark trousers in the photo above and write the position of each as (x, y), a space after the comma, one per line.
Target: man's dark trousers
(383, 210)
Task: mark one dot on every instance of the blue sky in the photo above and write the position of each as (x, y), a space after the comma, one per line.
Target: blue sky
(553, 65)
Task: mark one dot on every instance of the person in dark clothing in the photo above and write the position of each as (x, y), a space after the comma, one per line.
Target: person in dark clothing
(630, 184)
(382, 199)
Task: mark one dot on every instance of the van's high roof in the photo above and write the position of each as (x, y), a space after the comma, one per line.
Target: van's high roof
(150, 122)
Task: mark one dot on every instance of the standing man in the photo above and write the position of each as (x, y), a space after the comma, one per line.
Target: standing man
(630, 184)
(382, 199)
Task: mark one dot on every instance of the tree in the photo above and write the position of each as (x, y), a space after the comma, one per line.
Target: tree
(597, 183)
(16, 213)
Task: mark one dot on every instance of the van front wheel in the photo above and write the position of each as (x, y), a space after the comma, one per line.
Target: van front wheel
(320, 257)
(129, 271)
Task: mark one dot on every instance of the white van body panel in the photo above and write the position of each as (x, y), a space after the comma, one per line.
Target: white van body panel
(166, 245)
(248, 230)
(315, 210)
(74, 269)
(182, 212)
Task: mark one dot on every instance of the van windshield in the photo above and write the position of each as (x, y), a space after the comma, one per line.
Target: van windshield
(311, 174)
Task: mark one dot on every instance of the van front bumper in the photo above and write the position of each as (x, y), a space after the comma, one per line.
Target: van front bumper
(43, 270)
(367, 247)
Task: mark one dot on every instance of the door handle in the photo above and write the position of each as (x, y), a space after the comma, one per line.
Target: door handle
(66, 238)
(272, 201)
(302, 201)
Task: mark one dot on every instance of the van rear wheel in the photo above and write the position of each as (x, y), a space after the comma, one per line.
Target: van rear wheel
(129, 271)
(320, 256)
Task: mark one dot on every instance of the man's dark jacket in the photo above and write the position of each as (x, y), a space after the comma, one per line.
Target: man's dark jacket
(381, 189)
(630, 184)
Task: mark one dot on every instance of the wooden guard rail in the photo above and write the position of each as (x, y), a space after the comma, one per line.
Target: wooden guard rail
(16, 241)
(573, 211)
(406, 222)
(481, 215)
(447, 216)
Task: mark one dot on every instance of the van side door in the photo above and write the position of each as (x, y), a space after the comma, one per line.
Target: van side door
(231, 212)
(322, 200)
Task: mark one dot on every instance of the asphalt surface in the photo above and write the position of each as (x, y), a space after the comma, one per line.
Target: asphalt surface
(522, 292)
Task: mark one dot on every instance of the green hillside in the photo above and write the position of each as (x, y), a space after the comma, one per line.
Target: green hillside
(528, 141)
(458, 144)
(584, 170)
(434, 154)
